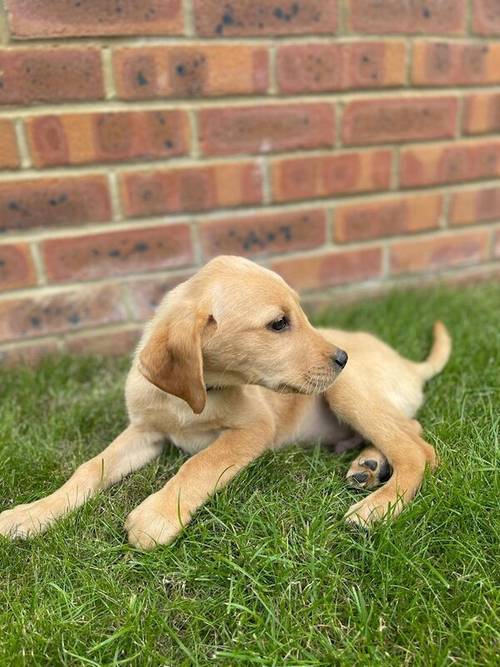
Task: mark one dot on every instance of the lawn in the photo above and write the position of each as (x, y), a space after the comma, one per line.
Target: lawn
(267, 573)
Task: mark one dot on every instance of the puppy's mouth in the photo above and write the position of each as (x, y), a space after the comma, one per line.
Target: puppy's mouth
(287, 389)
(310, 387)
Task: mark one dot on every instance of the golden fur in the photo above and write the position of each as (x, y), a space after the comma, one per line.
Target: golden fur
(267, 388)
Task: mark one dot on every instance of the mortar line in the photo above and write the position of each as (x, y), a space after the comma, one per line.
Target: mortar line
(114, 190)
(319, 251)
(38, 262)
(22, 144)
(139, 165)
(241, 101)
(188, 15)
(236, 213)
(107, 73)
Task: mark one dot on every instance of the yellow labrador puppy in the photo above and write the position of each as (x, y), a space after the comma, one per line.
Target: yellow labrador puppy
(229, 367)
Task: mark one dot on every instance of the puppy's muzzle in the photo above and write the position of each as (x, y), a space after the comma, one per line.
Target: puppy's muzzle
(339, 359)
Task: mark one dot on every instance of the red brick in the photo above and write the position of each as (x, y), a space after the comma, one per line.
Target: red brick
(107, 137)
(214, 18)
(326, 67)
(440, 252)
(404, 215)
(452, 163)
(197, 188)
(471, 206)
(496, 249)
(408, 17)
(9, 155)
(344, 173)
(482, 113)
(16, 267)
(486, 17)
(61, 312)
(145, 295)
(266, 128)
(29, 355)
(262, 234)
(396, 120)
(59, 18)
(109, 344)
(53, 202)
(453, 64)
(336, 268)
(191, 71)
(117, 253)
(50, 75)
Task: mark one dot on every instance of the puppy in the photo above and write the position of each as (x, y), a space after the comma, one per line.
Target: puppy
(230, 367)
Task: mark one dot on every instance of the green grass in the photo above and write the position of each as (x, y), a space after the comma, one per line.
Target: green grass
(267, 574)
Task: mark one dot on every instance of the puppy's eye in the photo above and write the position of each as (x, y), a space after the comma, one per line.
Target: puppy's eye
(280, 325)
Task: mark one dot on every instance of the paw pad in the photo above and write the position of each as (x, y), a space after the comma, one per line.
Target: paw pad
(368, 473)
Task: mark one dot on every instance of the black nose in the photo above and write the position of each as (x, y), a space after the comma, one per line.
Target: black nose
(340, 358)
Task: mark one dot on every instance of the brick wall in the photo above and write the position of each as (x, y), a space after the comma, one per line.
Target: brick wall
(349, 145)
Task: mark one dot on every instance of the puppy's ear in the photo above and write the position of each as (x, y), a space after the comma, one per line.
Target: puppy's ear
(172, 358)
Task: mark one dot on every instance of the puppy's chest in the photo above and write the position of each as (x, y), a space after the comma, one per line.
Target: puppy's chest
(319, 424)
(193, 441)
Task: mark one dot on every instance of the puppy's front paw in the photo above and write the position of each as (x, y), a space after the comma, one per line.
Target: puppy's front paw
(372, 509)
(149, 525)
(26, 521)
(361, 514)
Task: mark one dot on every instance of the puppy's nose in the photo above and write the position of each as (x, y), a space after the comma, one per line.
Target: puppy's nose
(340, 359)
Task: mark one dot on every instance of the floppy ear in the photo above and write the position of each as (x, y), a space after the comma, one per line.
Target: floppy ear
(172, 359)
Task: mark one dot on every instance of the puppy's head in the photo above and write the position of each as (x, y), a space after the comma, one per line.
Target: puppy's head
(235, 322)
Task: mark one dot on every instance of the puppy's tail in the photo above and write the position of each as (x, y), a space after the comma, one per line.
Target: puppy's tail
(440, 353)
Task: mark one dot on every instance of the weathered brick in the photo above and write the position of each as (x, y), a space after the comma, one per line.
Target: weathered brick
(266, 128)
(396, 120)
(452, 163)
(50, 75)
(453, 64)
(53, 202)
(215, 18)
(344, 173)
(9, 155)
(107, 137)
(109, 344)
(117, 253)
(264, 234)
(335, 268)
(469, 206)
(16, 267)
(29, 355)
(402, 215)
(325, 67)
(191, 71)
(486, 17)
(496, 248)
(29, 19)
(482, 113)
(61, 312)
(197, 188)
(409, 17)
(439, 252)
(145, 295)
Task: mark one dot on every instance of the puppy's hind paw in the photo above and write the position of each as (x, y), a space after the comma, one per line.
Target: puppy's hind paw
(369, 470)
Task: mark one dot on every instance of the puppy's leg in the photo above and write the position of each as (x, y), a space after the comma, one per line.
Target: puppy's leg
(371, 469)
(129, 451)
(162, 515)
(394, 435)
